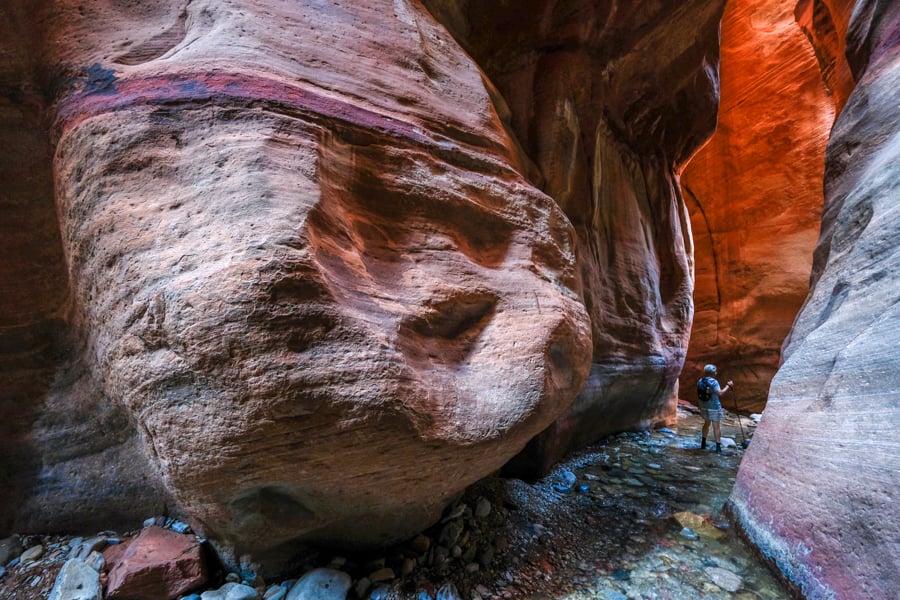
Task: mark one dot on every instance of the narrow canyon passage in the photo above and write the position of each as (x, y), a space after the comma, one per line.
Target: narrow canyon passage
(286, 275)
(755, 195)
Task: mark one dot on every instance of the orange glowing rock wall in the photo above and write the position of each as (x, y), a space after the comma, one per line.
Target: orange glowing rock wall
(825, 24)
(755, 197)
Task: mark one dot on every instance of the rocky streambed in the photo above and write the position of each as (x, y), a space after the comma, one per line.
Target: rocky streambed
(639, 515)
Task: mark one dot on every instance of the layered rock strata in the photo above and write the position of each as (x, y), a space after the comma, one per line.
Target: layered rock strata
(816, 491)
(609, 100)
(755, 196)
(297, 268)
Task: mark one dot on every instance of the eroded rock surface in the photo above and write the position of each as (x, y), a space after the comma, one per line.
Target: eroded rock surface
(817, 488)
(609, 100)
(755, 196)
(303, 268)
(65, 446)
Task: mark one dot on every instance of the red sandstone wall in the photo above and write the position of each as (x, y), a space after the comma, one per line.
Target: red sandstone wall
(824, 22)
(755, 196)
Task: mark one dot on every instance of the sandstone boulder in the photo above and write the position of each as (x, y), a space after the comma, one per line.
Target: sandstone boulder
(305, 273)
(816, 490)
(156, 565)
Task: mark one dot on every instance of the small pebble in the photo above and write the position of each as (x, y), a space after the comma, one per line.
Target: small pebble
(383, 574)
(482, 507)
(32, 554)
(179, 527)
(362, 586)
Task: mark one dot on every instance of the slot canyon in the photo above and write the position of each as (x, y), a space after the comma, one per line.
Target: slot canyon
(299, 273)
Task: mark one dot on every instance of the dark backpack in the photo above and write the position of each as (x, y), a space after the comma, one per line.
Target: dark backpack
(704, 390)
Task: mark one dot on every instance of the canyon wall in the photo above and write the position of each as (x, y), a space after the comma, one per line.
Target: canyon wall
(755, 197)
(609, 100)
(816, 491)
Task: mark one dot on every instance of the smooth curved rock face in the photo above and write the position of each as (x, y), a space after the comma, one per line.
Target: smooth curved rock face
(609, 100)
(755, 196)
(817, 489)
(304, 263)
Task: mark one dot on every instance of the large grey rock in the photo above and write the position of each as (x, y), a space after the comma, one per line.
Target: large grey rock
(76, 581)
(321, 584)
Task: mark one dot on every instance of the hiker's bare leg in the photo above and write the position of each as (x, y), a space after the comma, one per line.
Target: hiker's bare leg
(717, 432)
(705, 430)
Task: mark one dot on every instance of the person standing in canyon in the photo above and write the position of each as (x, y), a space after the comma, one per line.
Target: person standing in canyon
(708, 393)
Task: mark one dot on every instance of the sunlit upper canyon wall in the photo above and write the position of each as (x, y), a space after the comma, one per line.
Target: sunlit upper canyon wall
(755, 196)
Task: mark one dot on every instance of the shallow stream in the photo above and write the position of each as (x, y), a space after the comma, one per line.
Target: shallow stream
(640, 515)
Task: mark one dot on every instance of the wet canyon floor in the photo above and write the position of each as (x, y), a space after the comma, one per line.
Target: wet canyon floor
(642, 518)
(637, 516)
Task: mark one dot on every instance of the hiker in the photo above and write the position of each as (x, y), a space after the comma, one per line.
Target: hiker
(708, 392)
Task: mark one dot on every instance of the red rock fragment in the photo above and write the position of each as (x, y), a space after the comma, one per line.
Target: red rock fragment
(157, 565)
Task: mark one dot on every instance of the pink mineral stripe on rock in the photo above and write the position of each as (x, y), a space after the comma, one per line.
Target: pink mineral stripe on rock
(251, 91)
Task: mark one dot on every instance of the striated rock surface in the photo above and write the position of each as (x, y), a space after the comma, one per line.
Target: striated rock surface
(817, 489)
(609, 100)
(824, 22)
(755, 196)
(300, 280)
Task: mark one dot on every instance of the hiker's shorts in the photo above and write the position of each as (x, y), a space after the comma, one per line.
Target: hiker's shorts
(712, 414)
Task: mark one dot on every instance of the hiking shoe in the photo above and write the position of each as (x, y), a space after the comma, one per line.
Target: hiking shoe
(702, 443)
(718, 448)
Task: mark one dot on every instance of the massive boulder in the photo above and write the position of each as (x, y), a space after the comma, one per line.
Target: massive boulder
(816, 491)
(297, 279)
(609, 100)
(755, 196)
